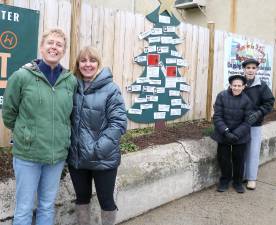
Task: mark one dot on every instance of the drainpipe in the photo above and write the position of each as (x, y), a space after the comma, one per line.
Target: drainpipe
(233, 16)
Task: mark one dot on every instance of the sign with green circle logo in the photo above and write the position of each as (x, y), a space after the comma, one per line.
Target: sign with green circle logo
(18, 40)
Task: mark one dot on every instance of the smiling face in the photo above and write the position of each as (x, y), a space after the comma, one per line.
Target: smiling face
(237, 87)
(52, 49)
(250, 71)
(88, 67)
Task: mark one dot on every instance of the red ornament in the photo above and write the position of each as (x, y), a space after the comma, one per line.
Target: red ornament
(171, 71)
(153, 59)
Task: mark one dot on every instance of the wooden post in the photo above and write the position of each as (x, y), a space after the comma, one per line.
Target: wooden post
(75, 32)
(211, 27)
(233, 19)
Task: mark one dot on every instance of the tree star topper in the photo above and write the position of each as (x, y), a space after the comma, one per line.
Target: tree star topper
(166, 5)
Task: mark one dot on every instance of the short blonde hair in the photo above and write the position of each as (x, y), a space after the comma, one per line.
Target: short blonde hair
(55, 31)
(91, 52)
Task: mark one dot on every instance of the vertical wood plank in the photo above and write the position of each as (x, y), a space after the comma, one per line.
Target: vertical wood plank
(21, 3)
(85, 24)
(100, 33)
(119, 48)
(211, 26)
(39, 5)
(95, 26)
(128, 62)
(64, 13)
(201, 78)
(50, 14)
(182, 48)
(75, 21)
(218, 79)
(108, 37)
(137, 69)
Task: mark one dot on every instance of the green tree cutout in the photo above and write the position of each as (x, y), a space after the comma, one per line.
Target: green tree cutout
(160, 84)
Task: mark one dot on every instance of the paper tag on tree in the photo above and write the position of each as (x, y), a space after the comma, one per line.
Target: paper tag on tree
(176, 101)
(144, 34)
(175, 112)
(152, 98)
(135, 111)
(159, 115)
(163, 108)
(164, 19)
(146, 106)
(156, 31)
(169, 29)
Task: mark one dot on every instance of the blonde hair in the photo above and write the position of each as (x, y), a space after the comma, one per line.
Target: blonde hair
(87, 51)
(55, 31)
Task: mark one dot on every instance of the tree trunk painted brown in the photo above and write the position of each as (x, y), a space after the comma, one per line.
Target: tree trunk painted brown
(160, 125)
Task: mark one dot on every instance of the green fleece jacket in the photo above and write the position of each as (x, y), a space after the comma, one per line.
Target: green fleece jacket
(39, 114)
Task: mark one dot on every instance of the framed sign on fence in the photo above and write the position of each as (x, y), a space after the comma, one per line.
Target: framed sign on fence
(18, 41)
(237, 50)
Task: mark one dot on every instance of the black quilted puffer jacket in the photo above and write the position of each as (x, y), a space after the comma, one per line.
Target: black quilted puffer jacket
(232, 112)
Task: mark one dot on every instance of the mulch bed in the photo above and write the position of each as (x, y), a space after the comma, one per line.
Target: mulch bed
(186, 130)
(6, 170)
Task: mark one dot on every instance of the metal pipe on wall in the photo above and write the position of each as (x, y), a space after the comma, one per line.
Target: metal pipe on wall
(233, 16)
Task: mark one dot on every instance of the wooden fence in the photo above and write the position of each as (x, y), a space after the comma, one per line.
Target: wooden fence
(115, 34)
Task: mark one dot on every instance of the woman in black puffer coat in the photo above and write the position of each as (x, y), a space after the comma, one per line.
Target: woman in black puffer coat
(98, 122)
(232, 132)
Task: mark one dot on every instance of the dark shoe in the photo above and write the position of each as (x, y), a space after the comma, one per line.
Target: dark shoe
(239, 188)
(222, 187)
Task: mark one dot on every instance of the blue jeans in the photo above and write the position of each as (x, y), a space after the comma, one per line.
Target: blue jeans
(252, 156)
(35, 178)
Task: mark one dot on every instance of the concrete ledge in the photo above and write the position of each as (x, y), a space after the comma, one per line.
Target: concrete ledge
(148, 179)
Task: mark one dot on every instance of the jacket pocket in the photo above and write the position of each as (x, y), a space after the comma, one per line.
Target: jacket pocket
(92, 119)
(28, 137)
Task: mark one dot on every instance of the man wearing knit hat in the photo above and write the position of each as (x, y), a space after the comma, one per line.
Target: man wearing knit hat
(262, 100)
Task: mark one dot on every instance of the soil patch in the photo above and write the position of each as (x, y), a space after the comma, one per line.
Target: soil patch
(186, 130)
(6, 170)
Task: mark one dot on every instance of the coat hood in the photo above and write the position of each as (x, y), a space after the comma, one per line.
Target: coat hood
(102, 79)
(256, 82)
(33, 66)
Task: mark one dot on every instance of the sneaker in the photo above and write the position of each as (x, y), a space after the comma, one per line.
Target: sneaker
(239, 188)
(222, 187)
(251, 185)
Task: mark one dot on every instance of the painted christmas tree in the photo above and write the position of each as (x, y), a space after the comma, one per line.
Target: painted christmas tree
(160, 84)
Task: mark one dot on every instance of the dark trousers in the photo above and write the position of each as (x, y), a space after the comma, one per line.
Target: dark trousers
(104, 183)
(231, 162)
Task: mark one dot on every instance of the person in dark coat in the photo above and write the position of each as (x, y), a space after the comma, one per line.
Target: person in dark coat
(232, 132)
(262, 100)
(98, 122)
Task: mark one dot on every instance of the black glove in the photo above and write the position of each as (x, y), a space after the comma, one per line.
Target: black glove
(254, 117)
(230, 137)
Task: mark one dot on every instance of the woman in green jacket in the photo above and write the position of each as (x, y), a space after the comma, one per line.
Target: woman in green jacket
(37, 107)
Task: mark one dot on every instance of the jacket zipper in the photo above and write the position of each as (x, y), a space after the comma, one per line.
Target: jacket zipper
(53, 132)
